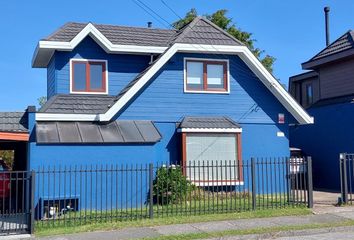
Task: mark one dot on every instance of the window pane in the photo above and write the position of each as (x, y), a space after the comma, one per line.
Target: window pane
(219, 148)
(309, 93)
(96, 82)
(195, 75)
(215, 73)
(79, 76)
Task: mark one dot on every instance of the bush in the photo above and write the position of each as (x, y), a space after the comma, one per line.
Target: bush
(170, 185)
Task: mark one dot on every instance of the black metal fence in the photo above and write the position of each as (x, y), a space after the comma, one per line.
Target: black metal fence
(93, 194)
(15, 202)
(346, 167)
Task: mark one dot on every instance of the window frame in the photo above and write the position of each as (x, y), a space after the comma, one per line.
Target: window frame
(205, 62)
(239, 181)
(309, 100)
(104, 64)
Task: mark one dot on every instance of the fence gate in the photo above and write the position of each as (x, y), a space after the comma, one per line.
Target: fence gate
(16, 198)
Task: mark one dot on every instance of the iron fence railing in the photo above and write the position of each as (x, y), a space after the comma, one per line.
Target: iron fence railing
(91, 194)
(15, 202)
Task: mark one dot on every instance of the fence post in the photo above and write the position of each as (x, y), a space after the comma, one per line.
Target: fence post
(253, 175)
(33, 184)
(151, 196)
(343, 175)
(310, 183)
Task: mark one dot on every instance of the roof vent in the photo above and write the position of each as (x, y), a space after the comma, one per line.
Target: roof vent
(149, 24)
(326, 10)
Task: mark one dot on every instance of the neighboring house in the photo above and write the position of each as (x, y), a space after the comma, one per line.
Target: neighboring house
(327, 93)
(126, 95)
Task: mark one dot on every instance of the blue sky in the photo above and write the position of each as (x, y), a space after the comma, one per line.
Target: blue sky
(291, 31)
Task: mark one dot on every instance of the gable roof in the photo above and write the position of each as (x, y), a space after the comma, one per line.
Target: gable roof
(121, 35)
(122, 39)
(178, 44)
(13, 122)
(340, 48)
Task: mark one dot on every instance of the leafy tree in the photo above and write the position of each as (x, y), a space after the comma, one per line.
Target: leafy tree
(225, 23)
(42, 100)
(8, 157)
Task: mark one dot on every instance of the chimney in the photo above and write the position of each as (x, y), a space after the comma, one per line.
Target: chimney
(326, 10)
(149, 24)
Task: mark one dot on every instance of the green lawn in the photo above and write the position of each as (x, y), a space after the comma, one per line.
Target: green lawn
(45, 228)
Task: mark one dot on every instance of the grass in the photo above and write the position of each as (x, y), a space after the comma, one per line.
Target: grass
(48, 229)
(274, 230)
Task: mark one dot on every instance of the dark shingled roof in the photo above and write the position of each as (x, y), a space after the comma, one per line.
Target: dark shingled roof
(120, 131)
(84, 104)
(117, 34)
(13, 122)
(208, 122)
(203, 31)
(341, 48)
(199, 31)
(343, 43)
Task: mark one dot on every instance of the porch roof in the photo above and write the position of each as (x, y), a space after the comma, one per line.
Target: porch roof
(120, 131)
(209, 124)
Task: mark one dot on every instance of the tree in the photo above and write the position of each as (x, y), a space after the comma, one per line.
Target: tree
(225, 23)
(42, 100)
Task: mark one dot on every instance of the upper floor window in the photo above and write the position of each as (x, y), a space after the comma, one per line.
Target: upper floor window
(309, 94)
(206, 76)
(88, 76)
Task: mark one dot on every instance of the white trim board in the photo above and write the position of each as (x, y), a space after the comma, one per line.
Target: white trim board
(243, 52)
(45, 49)
(210, 130)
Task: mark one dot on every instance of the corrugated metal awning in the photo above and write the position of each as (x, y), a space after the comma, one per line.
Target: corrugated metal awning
(120, 131)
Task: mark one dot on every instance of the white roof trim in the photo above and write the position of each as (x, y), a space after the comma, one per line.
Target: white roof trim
(210, 130)
(45, 49)
(245, 54)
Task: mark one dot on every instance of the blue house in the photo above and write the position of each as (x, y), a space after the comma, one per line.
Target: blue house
(129, 95)
(327, 93)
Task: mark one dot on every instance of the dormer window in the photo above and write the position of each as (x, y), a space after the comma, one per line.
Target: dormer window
(206, 76)
(88, 76)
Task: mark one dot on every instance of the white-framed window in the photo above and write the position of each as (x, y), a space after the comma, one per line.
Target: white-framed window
(88, 76)
(211, 159)
(206, 75)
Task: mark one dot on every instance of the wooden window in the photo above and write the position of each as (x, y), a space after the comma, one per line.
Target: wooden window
(221, 150)
(206, 76)
(88, 76)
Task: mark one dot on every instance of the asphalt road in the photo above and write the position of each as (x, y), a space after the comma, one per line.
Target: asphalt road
(323, 236)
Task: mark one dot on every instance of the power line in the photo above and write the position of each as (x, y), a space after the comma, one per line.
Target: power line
(148, 10)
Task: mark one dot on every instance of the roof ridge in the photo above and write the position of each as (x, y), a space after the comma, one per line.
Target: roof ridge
(61, 28)
(221, 30)
(330, 45)
(186, 29)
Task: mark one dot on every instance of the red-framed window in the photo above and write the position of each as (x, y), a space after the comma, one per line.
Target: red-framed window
(88, 76)
(206, 76)
(220, 153)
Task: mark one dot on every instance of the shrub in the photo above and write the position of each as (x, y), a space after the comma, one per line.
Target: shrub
(170, 185)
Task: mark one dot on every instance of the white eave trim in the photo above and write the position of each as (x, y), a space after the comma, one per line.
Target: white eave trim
(243, 52)
(66, 117)
(209, 130)
(92, 31)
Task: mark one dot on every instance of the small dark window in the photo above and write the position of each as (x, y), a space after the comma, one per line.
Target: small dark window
(309, 94)
(88, 76)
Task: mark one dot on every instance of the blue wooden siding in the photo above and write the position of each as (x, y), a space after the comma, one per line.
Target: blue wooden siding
(51, 79)
(331, 134)
(122, 68)
(249, 100)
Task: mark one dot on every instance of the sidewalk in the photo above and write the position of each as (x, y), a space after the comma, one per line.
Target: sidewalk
(322, 216)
